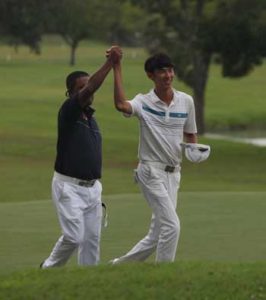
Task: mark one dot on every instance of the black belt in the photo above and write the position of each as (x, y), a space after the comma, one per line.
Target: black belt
(169, 169)
(86, 183)
(80, 182)
(161, 166)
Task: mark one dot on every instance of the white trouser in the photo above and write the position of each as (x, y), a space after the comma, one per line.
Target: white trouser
(79, 211)
(160, 190)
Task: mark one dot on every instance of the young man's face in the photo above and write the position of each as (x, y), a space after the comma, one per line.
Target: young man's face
(162, 78)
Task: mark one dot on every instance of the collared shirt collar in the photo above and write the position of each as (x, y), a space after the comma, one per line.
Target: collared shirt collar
(155, 98)
(89, 111)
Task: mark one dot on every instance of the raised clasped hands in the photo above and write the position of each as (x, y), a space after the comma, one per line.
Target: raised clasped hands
(114, 54)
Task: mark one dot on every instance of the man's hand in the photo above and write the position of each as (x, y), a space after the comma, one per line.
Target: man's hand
(114, 54)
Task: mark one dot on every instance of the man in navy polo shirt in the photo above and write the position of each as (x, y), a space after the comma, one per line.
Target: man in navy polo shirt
(76, 189)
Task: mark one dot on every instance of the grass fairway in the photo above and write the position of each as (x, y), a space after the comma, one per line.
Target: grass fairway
(215, 226)
(33, 88)
(185, 281)
(220, 252)
(221, 203)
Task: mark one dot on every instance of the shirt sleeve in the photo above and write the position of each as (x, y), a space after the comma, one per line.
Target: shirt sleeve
(190, 125)
(136, 104)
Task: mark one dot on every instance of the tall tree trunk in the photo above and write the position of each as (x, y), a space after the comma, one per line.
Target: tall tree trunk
(201, 72)
(72, 54)
(73, 43)
(199, 99)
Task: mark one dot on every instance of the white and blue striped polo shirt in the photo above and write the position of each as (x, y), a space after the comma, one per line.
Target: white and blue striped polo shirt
(162, 126)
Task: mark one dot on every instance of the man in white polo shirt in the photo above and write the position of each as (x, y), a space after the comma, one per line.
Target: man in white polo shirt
(167, 117)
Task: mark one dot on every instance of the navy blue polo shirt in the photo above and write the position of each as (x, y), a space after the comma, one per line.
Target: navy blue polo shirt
(79, 144)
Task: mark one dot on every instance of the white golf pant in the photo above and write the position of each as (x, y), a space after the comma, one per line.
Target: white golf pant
(160, 190)
(79, 211)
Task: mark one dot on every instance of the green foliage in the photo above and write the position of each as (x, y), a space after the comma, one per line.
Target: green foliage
(195, 28)
(194, 32)
(261, 28)
(127, 25)
(91, 19)
(22, 22)
(236, 37)
(74, 21)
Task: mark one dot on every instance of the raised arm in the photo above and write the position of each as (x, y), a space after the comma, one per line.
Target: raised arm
(85, 95)
(119, 96)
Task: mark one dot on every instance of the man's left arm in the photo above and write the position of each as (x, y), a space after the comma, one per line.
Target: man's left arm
(190, 137)
(190, 128)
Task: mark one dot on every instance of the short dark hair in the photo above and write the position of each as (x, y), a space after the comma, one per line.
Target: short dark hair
(71, 80)
(158, 61)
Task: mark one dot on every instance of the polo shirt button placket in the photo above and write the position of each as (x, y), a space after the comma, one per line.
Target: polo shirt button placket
(167, 115)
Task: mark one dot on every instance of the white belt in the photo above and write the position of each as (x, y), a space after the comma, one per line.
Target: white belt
(161, 166)
(85, 183)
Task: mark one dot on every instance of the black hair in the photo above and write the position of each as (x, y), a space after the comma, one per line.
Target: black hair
(158, 61)
(71, 80)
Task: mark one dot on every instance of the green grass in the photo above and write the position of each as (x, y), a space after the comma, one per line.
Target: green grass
(236, 104)
(31, 93)
(221, 202)
(215, 226)
(137, 282)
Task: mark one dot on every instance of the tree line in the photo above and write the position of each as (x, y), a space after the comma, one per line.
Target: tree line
(195, 33)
